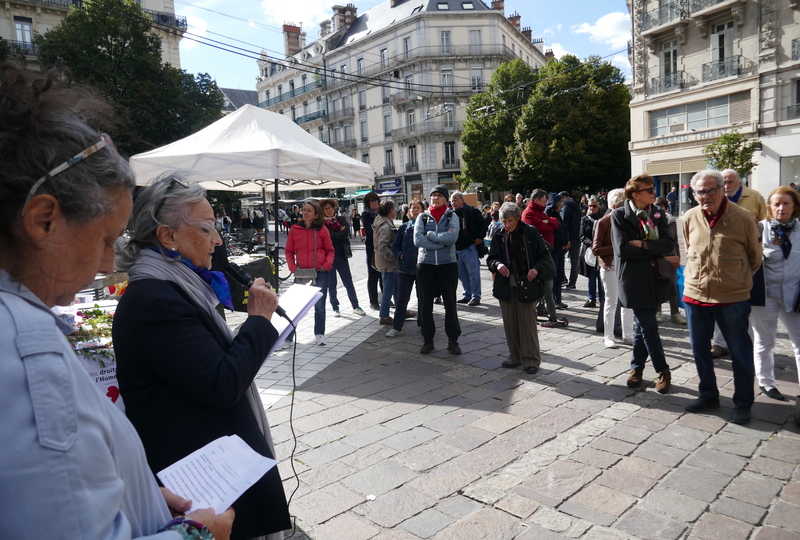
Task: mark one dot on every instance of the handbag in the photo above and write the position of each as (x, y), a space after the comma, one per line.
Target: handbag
(347, 251)
(530, 291)
(308, 275)
(589, 258)
(483, 250)
(674, 259)
(662, 268)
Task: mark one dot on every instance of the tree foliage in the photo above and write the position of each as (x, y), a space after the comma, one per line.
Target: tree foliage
(573, 132)
(732, 151)
(109, 45)
(488, 134)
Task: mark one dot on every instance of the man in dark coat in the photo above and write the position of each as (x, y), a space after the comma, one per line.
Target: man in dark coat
(473, 229)
(571, 220)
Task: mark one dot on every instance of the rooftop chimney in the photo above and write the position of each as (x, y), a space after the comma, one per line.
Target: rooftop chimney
(549, 54)
(291, 38)
(393, 3)
(514, 19)
(350, 14)
(499, 5)
(527, 33)
(324, 28)
(338, 18)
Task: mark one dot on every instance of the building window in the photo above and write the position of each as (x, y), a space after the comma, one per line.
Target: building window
(722, 41)
(694, 116)
(411, 120)
(476, 79)
(450, 153)
(360, 66)
(384, 57)
(669, 58)
(348, 132)
(294, 113)
(387, 125)
(343, 69)
(291, 85)
(303, 78)
(475, 41)
(362, 100)
(305, 107)
(365, 158)
(24, 29)
(442, 6)
(444, 40)
(389, 156)
(266, 96)
(446, 79)
(364, 133)
(412, 155)
(334, 105)
(385, 92)
(467, 5)
(407, 48)
(280, 89)
(345, 101)
(449, 115)
(409, 83)
(336, 132)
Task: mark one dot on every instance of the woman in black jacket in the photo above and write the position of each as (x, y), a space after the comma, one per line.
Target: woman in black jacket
(639, 233)
(371, 203)
(340, 236)
(588, 223)
(519, 254)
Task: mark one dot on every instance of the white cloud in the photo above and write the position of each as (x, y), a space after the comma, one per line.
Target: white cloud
(308, 12)
(613, 29)
(551, 31)
(197, 27)
(559, 50)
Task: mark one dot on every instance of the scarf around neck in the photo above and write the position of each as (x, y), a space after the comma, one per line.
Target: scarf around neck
(782, 231)
(437, 212)
(646, 226)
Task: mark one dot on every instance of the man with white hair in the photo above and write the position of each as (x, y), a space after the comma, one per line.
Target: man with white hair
(723, 251)
(603, 248)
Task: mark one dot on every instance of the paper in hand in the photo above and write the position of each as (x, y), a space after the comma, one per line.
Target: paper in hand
(297, 301)
(217, 474)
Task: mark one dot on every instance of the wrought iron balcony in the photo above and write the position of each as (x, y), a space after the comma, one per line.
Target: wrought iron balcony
(290, 94)
(699, 5)
(663, 15)
(451, 164)
(412, 167)
(24, 47)
(167, 19)
(340, 114)
(793, 112)
(60, 3)
(388, 169)
(666, 83)
(310, 117)
(424, 128)
(796, 49)
(728, 67)
(343, 145)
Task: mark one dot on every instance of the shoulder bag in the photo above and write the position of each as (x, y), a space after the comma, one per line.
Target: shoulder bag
(662, 268)
(308, 275)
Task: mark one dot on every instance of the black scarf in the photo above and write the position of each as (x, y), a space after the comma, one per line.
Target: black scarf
(782, 231)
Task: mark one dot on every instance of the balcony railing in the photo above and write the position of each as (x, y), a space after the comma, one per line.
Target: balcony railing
(427, 52)
(698, 5)
(310, 117)
(290, 94)
(666, 83)
(451, 164)
(793, 112)
(728, 67)
(167, 19)
(663, 15)
(423, 128)
(60, 3)
(388, 169)
(25, 47)
(340, 114)
(796, 49)
(412, 167)
(343, 145)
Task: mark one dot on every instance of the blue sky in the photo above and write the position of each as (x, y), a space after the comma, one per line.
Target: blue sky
(580, 27)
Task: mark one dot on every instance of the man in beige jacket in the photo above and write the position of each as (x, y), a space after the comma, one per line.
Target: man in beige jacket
(723, 251)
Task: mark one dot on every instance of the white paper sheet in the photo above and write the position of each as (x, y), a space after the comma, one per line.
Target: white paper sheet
(217, 474)
(297, 301)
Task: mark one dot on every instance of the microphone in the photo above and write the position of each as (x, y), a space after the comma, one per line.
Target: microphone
(240, 276)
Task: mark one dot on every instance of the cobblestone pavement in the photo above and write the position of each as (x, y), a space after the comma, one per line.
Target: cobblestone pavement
(391, 444)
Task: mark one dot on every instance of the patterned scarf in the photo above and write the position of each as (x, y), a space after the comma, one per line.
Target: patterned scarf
(782, 231)
(333, 224)
(648, 229)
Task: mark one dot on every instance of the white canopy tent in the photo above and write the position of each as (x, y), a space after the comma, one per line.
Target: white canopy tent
(252, 149)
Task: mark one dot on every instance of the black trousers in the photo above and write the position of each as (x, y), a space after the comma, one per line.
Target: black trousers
(432, 280)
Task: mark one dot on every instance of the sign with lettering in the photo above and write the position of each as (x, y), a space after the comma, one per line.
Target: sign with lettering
(688, 137)
(389, 184)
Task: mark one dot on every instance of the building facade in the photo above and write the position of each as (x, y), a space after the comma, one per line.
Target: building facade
(20, 20)
(390, 87)
(702, 68)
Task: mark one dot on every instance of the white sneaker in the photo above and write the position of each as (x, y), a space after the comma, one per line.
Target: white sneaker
(285, 344)
(627, 341)
(677, 318)
(336, 313)
(610, 343)
(393, 333)
(320, 339)
(360, 312)
(659, 317)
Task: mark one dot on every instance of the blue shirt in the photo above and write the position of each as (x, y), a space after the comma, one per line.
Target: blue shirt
(71, 465)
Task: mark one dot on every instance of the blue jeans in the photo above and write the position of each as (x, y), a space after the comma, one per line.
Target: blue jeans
(469, 272)
(646, 341)
(733, 321)
(319, 307)
(342, 266)
(405, 283)
(389, 280)
(596, 291)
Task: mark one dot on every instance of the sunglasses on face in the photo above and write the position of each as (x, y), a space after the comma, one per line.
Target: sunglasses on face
(649, 190)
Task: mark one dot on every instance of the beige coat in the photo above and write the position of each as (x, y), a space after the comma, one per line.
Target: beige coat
(720, 263)
(753, 201)
(384, 230)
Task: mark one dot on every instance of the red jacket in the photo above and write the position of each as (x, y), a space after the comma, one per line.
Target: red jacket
(534, 215)
(300, 248)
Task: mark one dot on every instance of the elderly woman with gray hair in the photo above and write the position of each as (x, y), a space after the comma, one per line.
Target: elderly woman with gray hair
(185, 377)
(519, 257)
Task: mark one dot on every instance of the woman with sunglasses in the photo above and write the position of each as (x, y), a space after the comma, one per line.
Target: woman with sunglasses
(71, 464)
(185, 377)
(640, 232)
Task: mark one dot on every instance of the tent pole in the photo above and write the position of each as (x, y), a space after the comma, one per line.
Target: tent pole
(277, 235)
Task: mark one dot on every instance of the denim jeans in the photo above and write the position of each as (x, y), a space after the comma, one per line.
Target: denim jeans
(596, 292)
(389, 280)
(319, 307)
(558, 258)
(574, 254)
(733, 321)
(441, 279)
(402, 295)
(342, 266)
(469, 272)
(646, 341)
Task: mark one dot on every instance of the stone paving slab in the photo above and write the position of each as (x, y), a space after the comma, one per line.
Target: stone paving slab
(394, 445)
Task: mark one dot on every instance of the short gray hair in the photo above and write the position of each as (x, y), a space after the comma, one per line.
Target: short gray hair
(616, 197)
(708, 173)
(510, 210)
(457, 195)
(733, 172)
(164, 202)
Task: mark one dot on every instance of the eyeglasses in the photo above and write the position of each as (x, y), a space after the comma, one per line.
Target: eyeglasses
(710, 192)
(649, 190)
(174, 182)
(594, 206)
(105, 140)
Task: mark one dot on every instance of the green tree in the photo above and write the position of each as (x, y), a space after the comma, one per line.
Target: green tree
(573, 133)
(732, 151)
(109, 45)
(488, 134)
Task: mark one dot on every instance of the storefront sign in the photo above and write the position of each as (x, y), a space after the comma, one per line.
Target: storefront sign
(389, 184)
(688, 137)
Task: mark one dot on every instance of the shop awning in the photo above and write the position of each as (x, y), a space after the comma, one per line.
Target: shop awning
(388, 192)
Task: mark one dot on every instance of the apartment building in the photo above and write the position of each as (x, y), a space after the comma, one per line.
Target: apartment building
(390, 86)
(702, 68)
(20, 20)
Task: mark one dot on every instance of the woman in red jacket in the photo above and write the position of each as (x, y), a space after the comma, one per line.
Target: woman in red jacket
(309, 247)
